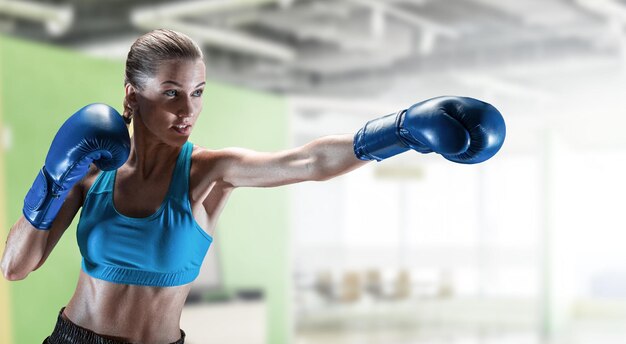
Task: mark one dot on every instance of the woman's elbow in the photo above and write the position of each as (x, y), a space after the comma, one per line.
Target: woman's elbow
(326, 169)
(14, 277)
(13, 274)
(321, 174)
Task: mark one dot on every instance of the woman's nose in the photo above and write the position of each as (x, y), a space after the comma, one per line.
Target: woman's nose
(186, 109)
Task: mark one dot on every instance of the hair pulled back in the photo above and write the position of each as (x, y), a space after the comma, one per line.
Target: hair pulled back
(149, 51)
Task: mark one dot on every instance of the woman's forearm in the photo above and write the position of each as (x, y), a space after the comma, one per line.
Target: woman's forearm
(24, 249)
(333, 156)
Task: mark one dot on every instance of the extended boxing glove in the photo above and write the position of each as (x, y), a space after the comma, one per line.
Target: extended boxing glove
(461, 129)
(96, 133)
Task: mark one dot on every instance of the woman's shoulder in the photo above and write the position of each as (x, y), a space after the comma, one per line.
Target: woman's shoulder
(212, 158)
(215, 164)
(207, 168)
(200, 152)
(204, 160)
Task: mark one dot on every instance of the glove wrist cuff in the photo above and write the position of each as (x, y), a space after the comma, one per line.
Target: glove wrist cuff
(43, 201)
(379, 138)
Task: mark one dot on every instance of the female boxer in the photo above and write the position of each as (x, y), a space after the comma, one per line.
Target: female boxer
(150, 203)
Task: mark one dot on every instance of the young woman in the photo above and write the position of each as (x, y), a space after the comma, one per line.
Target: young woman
(150, 202)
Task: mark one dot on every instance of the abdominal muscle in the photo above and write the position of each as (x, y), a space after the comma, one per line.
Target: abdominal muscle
(127, 313)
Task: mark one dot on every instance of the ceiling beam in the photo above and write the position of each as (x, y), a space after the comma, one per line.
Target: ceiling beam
(169, 16)
(412, 19)
(57, 18)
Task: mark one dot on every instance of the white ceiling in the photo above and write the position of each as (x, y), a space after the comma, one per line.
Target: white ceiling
(354, 48)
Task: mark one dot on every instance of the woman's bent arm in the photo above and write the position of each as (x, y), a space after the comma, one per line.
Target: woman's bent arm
(27, 247)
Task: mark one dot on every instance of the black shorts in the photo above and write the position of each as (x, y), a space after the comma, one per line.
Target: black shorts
(66, 332)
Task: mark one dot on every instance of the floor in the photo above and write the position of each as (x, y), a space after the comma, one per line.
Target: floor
(603, 333)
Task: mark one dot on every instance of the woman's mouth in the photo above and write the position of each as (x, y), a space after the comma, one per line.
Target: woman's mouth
(183, 129)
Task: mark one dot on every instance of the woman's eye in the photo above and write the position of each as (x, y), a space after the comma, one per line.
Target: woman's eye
(170, 93)
(197, 93)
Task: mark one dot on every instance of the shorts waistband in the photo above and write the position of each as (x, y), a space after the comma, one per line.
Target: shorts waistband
(66, 332)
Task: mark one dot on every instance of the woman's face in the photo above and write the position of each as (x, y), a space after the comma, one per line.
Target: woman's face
(170, 102)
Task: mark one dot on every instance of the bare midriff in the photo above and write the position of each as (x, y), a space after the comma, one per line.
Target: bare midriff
(130, 313)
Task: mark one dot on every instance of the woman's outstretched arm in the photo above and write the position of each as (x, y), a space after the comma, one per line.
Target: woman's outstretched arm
(461, 129)
(321, 159)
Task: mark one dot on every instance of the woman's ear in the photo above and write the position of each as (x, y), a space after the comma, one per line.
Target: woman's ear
(131, 97)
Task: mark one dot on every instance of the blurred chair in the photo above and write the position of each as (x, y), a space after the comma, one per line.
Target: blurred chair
(446, 285)
(402, 285)
(351, 287)
(374, 283)
(323, 285)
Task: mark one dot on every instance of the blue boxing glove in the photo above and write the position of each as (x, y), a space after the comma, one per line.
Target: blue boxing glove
(96, 133)
(461, 129)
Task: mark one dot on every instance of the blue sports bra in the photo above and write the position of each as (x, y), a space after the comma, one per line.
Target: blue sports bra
(164, 249)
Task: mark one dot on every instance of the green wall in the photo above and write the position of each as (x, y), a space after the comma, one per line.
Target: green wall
(42, 85)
